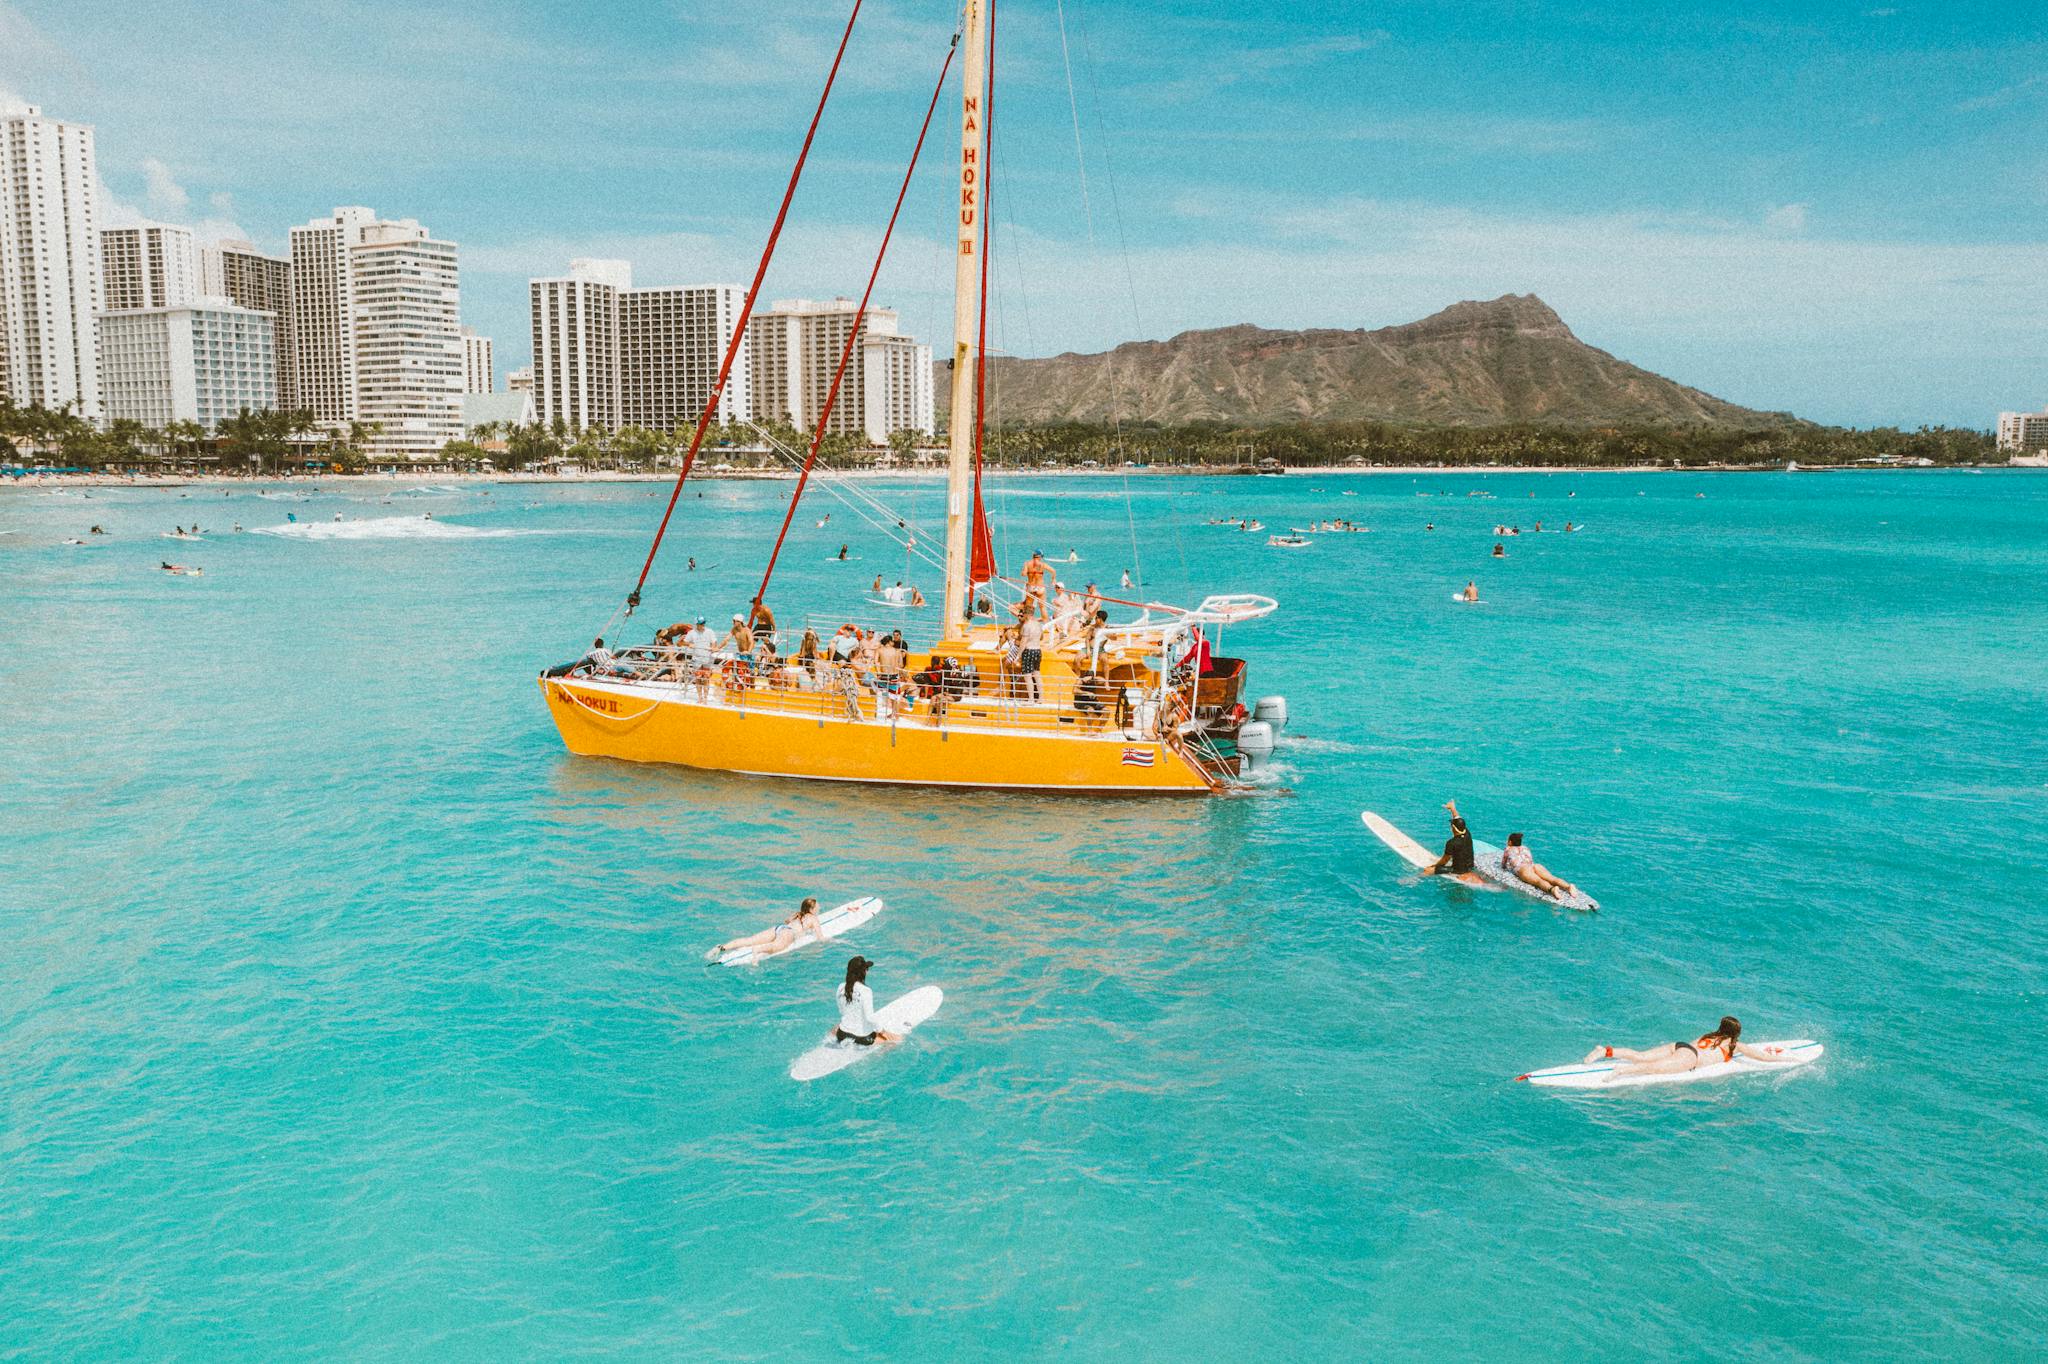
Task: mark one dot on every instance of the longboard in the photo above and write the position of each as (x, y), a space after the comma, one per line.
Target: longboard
(1413, 853)
(897, 1016)
(1600, 1074)
(831, 923)
(1486, 858)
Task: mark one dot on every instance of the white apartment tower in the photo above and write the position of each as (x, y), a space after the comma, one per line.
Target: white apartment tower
(152, 265)
(199, 362)
(576, 344)
(607, 355)
(477, 373)
(237, 271)
(671, 342)
(377, 331)
(796, 347)
(49, 263)
(2023, 433)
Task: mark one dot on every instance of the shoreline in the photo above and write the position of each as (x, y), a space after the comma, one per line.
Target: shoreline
(397, 478)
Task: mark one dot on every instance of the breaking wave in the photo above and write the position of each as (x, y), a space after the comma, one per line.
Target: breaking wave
(388, 528)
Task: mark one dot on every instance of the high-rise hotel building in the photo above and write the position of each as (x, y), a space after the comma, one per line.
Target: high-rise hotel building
(201, 361)
(152, 265)
(477, 375)
(377, 331)
(237, 271)
(49, 263)
(607, 355)
(796, 347)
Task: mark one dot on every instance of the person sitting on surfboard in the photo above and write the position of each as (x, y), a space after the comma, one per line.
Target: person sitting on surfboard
(1471, 591)
(1457, 858)
(1517, 858)
(769, 941)
(1723, 1044)
(857, 1008)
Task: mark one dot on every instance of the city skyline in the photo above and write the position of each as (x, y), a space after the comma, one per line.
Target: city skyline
(1834, 212)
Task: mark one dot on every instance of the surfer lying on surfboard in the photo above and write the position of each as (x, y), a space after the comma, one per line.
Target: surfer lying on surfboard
(1517, 858)
(780, 938)
(1722, 1044)
(857, 1008)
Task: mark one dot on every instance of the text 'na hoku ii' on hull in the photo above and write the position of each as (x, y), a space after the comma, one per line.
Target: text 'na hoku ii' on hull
(1043, 694)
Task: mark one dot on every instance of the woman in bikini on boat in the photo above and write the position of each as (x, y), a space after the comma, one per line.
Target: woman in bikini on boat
(1723, 1044)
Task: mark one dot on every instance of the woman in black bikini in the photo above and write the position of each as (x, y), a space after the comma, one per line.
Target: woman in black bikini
(1721, 1045)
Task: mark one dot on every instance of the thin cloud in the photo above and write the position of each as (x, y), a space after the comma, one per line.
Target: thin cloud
(1257, 64)
(2006, 96)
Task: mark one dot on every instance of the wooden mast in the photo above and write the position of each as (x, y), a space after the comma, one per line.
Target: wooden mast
(966, 298)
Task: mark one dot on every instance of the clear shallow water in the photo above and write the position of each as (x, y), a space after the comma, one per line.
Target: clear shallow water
(342, 1013)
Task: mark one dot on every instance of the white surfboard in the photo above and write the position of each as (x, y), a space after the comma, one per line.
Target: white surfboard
(897, 1016)
(1601, 1074)
(1461, 599)
(1413, 853)
(905, 604)
(831, 923)
(1486, 858)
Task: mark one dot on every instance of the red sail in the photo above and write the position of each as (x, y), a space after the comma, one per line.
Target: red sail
(982, 564)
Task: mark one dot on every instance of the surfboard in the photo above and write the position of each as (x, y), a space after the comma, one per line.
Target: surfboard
(898, 1016)
(831, 923)
(1461, 599)
(1486, 858)
(1601, 1074)
(1413, 853)
(903, 605)
(173, 535)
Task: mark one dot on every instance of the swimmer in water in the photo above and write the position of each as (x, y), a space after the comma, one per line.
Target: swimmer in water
(1500, 551)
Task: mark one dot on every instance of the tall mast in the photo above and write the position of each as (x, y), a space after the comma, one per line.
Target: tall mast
(966, 297)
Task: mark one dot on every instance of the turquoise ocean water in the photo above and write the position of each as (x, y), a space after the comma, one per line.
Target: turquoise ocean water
(343, 1014)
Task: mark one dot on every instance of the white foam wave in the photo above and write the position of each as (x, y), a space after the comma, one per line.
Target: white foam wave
(388, 528)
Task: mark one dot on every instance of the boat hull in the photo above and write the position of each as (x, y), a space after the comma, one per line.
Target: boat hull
(798, 738)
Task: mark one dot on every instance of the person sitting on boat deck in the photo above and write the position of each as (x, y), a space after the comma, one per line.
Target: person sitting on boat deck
(844, 641)
(1718, 1047)
(935, 680)
(857, 1008)
(1034, 576)
(1517, 858)
(1030, 654)
(807, 655)
(863, 662)
(771, 941)
(1091, 693)
(1457, 858)
(597, 660)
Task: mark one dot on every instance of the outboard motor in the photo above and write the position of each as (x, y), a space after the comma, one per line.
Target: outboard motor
(1271, 711)
(1255, 742)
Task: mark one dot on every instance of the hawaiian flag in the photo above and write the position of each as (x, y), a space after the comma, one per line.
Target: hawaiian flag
(1138, 757)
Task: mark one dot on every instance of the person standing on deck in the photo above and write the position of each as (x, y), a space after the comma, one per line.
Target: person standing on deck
(1034, 576)
(1030, 654)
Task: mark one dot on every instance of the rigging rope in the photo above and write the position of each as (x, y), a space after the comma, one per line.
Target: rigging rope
(739, 330)
(853, 334)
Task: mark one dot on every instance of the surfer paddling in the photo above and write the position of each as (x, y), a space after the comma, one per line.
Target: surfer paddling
(771, 941)
(1721, 1045)
(857, 1008)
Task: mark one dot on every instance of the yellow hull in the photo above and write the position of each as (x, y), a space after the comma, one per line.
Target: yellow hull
(809, 735)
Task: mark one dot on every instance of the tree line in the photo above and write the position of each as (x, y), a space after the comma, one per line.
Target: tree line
(251, 441)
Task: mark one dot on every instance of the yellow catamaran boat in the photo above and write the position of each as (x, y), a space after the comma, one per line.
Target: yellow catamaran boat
(1141, 707)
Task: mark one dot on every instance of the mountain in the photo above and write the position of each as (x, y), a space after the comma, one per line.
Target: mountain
(1510, 360)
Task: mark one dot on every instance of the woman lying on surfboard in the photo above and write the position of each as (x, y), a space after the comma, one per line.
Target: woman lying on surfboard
(1722, 1044)
(780, 938)
(1517, 858)
(857, 1008)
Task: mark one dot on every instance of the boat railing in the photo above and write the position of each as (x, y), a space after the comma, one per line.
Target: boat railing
(830, 690)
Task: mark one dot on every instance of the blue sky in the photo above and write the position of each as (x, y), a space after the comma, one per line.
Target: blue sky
(1836, 209)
